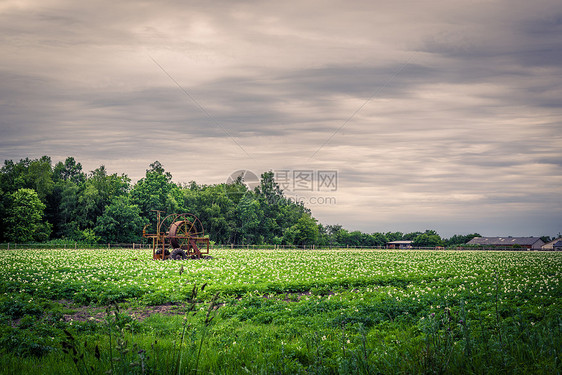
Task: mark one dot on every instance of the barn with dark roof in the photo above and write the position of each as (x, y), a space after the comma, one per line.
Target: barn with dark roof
(533, 243)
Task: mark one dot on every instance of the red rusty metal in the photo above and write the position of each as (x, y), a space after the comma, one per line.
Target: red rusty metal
(182, 239)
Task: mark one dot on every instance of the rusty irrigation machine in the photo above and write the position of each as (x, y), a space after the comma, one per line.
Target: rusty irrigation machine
(178, 236)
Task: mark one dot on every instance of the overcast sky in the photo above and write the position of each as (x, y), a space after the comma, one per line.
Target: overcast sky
(442, 115)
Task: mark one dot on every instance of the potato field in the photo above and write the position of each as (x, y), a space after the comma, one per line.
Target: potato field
(280, 312)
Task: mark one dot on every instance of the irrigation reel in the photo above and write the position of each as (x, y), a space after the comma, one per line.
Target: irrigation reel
(178, 236)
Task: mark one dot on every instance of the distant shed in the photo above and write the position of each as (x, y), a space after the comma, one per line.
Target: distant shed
(399, 245)
(553, 245)
(533, 243)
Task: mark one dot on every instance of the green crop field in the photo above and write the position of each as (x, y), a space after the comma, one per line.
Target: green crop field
(280, 312)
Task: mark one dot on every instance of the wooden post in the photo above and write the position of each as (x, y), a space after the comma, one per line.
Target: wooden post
(8, 246)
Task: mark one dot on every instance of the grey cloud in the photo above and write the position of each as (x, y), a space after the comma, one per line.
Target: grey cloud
(554, 160)
(457, 106)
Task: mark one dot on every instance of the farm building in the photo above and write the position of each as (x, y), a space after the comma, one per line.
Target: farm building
(553, 245)
(399, 245)
(533, 243)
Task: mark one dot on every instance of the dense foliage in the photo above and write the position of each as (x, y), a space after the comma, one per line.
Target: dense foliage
(44, 202)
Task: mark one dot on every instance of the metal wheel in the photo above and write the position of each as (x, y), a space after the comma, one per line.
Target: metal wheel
(178, 254)
(183, 228)
(183, 232)
(166, 252)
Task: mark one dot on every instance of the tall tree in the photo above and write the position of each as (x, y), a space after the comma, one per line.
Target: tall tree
(394, 236)
(66, 224)
(70, 170)
(428, 239)
(156, 191)
(305, 231)
(251, 215)
(378, 239)
(216, 211)
(99, 189)
(24, 221)
(34, 174)
(121, 222)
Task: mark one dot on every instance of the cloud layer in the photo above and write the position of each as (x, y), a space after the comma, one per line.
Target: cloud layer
(444, 116)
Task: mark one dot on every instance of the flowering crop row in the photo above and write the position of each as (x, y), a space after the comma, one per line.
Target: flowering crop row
(104, 275)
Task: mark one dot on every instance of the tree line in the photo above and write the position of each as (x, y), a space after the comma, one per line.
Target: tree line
(44, 202)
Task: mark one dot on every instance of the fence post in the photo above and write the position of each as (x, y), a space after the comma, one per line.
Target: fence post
(8, 246)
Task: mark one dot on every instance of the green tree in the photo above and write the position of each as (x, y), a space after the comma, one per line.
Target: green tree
(3, 214)
(40, 177)
(34, 174)
(24, 221)
(99, 190)
(379, 239)
(70, 170)
(273, 205)
(428, 239)
(251, 216)
(394, 236)
(331, 231)
(269, 190)
(66, 224)
(305, 231)
(323, 237)
(156, 191)
(215, 209)
(342, 237)
(355, 238)
(410, 236)
(460, 239)
(62, 203)
(121, 222)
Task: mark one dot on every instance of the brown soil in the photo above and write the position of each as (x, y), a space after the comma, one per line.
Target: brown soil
(98, 314)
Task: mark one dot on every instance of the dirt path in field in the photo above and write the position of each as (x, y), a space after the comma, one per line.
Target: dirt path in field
(99, 314)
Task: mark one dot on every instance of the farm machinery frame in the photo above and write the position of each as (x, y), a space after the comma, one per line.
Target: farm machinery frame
(178, 236)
